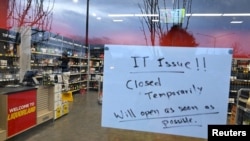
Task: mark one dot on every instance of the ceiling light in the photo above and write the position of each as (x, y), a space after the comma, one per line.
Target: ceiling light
(120, 15)
(217, 14)
(187, 14)
(206, 14)
(146, 15)
(132, 15)
(155, 20)
(117, 20)
(236, 22)
(236, 14)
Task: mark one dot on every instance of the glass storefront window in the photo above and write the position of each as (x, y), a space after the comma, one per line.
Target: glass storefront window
(76, 26)
(191, 23)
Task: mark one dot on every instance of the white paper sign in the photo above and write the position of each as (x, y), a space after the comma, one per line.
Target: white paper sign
(170, 90)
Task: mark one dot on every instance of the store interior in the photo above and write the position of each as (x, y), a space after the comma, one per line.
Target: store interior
(35, 34)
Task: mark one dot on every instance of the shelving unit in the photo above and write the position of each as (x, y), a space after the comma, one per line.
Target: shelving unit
(100, 92)
(79, 72)
(61, 107)
(243, 107)
(96, 64)
(9, 58)
(240, 79)
(45, 51)
(86, 65)
(79, 64)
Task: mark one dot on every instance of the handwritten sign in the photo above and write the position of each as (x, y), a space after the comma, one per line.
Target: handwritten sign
(164, 89)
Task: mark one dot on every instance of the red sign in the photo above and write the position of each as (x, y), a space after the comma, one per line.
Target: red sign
(21, 111)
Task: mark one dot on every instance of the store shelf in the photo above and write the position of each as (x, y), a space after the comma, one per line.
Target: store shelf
(45, 48)
(96, 64)
(100, 92)
(240, 78)
(45, 53)
(9, 58)
(243, 107)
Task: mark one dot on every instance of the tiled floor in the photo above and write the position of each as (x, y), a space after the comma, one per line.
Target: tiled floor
(83, 123)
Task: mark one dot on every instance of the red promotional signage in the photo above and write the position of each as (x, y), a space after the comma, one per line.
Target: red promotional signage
(21, 111)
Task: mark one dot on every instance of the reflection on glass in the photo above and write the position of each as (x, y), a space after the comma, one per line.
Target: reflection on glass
(138, 22)
(177, 36)
(31, 13)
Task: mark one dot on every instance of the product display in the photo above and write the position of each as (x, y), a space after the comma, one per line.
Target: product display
(60, 106)
(96, 64)
(9, 59)
(243, 107)
(86, 63)
(239, 92)
(46, 50)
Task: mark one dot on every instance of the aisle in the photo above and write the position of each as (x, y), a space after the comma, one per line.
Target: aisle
(83, 123)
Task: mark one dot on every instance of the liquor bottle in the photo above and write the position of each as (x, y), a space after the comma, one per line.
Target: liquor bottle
(56, 79)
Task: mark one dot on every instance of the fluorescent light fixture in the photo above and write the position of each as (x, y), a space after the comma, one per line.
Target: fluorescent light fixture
(155, 20)
(236, 14)
(132, 15)
(206, 14)
(147, 15)
(117, 20)
(236, 22)
(120, 15)
(217, 14)
(98, 18)
(187, 14)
